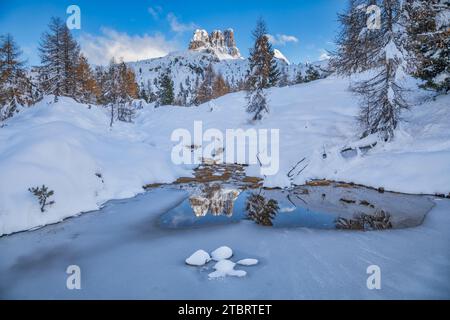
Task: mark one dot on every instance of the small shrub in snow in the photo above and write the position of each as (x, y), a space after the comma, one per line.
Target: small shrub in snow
(43, 194)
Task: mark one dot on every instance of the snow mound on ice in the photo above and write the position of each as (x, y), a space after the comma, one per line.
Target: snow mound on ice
(223, 267)
(222, 253)
(248, 262)
(226, 268)
(198, 258)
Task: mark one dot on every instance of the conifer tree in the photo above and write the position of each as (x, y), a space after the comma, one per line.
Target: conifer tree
(166, 91)
(220, 87)
(311, 74)
(429, 40)
(284, 78)
(87, 90)
(299, 77)
(59, 54)
(262, 73)
(15, 85)
(205, 91)
(128, 90)
(381, 50)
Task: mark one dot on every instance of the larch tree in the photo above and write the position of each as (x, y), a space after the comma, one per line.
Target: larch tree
(128, 91)
(15, 85)
(380, 48)
(263, 72)
(205, 91)
(87, 90)
(59, 54)
(220, 87)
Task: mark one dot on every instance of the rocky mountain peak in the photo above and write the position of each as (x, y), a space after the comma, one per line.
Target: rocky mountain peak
(223, 43)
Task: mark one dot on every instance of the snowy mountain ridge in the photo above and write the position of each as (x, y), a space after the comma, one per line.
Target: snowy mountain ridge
(187, 68)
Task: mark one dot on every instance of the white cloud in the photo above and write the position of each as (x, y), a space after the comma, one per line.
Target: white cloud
(281, 39)
(179, 27)
(324, 55)
(155, 12)
(120, 45)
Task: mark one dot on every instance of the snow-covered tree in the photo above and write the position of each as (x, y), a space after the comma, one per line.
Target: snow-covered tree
(59, 54)
(311, 73)
(284, 78)
(128, 90)
(299, 77)
(429, 40)
(351, 56)
(166, 91)
(15, 85)
(381, 50)
(118, 89)
(262, 72)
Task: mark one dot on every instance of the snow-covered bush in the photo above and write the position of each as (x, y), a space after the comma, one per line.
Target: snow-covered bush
(43, 194)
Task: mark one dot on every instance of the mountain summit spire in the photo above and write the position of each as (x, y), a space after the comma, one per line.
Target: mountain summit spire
(222, 43)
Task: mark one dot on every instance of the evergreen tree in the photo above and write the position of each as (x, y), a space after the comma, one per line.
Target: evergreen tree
(111, 89)
(429, 40)
(166, 91)
(284, 78)
(128, 90)
(262, 73)
(382, 51)
(143, 93)
(15, 85)
(59, 55)
(299, 77)
(87, 90)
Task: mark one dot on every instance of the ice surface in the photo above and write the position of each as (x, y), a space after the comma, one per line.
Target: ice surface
(123, 254)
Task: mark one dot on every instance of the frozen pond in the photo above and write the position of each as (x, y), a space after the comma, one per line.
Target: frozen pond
(335, 206)
(136, 248)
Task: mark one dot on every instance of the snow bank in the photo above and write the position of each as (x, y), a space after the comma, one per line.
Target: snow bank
(72, 150)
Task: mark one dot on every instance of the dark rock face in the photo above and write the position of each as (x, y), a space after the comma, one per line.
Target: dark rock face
(220, 42)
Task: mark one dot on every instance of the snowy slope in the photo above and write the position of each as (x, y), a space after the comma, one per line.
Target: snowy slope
(65, 144)
(72, 150)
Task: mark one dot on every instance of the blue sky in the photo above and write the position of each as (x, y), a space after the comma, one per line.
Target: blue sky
(134, 29)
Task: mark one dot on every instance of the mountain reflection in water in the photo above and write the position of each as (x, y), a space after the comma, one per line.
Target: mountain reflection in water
(215, 200)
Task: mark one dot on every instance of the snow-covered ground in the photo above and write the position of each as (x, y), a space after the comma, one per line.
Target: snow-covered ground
(123, 254)
(71, 148)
